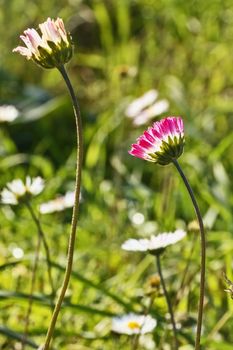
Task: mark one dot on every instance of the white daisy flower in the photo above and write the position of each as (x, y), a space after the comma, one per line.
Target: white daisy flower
(133, 324)
(154, 244)
(140, 103)
(8, 113)
(154, 110)
(58, 204)
(146, 107)
(17, 190)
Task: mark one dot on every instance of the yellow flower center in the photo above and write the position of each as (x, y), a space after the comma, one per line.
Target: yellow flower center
(134, 325)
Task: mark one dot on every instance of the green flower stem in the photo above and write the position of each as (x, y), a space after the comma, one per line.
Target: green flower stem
(169, 305)
(46, 247)
(74, 220)
(34, 269)
(203, 255)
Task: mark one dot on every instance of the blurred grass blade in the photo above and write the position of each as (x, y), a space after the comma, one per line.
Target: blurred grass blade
(219, 150)
(104, 22)
(91, 60)
(43, 300)
(47, 108)
(123, 19)
(127, 305)
(91, 284)
(14, 160)
(17, 336)
(9, 264)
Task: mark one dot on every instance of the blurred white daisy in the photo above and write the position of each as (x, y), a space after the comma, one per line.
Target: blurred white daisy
(154, 244)
(156, 109)
(58, 204)
(17, 190)
(8, 113)
(140, 103)
(133, 324)
(145, 108)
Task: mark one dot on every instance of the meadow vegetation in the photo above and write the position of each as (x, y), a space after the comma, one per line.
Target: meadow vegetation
(123, 49)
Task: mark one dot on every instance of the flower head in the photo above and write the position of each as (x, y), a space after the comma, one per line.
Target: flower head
(155, 244)
(18, 191)
(58, 204)
(162, 142)
(133, 324)
(50, 46)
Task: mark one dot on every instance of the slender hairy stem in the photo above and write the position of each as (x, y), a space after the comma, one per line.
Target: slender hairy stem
(46, 247)
(203, 255)
(74, 220)
(34, 269)
(169, 305)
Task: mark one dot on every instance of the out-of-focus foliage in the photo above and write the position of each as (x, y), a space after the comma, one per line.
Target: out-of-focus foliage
(123, 48)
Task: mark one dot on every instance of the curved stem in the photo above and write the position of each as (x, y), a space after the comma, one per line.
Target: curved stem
(169, 305)
(203, 255)
(34, 269)
(74, 220)
(46, 247)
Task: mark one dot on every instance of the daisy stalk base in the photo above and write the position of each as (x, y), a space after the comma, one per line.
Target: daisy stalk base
(203, 255)
(169, 305)
(74, 220)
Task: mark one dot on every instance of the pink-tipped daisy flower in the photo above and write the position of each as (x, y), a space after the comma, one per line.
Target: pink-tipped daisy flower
(49, 47)
(161, 143)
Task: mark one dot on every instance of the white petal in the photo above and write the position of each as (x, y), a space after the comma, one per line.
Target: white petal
(140, 103)
(151, 112)
(36, 186)
(69, 199)
(140, 245)
(7, 197)
(52, 206)
(8, 112)
(17, 187)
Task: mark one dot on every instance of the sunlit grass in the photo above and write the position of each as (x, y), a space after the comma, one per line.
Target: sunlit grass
(184, 51)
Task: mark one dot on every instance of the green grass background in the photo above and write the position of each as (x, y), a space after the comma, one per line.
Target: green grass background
(182, 49)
